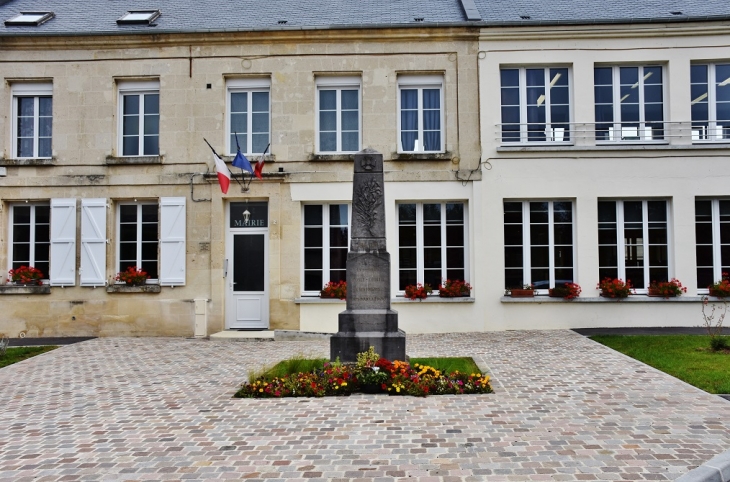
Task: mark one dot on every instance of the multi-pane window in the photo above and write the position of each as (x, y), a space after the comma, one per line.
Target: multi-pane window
(338, 114)
(538, 244)
(629, 103)
(249, 115)
(710, 85)
(420, 114)
(138, 237)
(535, 104)
(633, 241)
(326, 241)
(139, 115)
(431, 243)
(30, 236)
(712, 228)
(32, 120)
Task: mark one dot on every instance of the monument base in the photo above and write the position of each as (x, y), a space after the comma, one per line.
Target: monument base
(346, 345)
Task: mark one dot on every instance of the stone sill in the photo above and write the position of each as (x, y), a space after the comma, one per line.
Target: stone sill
(25, 290)
(133, 289)
(313, 300)
(612, 147)
(398, 300)
(600, 299)
(435, 156)
(115, 161)
(49, 161)
(434, 299)
(332, 157)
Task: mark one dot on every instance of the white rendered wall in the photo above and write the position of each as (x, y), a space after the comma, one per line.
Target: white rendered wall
(584, 173)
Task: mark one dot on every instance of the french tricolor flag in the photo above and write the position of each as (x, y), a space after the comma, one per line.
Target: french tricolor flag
(224, 174)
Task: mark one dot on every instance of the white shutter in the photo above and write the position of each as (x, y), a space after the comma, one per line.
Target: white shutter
(172, 241)
(63, 242)
(93, 242)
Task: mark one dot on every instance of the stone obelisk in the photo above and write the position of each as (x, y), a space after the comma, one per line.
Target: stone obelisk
(368, 320)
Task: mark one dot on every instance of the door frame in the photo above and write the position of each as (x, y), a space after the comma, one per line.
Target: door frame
(229, 297)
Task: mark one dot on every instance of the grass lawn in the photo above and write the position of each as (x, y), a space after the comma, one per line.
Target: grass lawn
(14, 355)
(687, 357)
(307, 365)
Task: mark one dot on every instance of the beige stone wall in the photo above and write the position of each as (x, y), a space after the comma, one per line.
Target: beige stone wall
(85, 72)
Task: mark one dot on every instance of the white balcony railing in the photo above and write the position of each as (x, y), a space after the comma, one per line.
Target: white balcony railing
(676, 133)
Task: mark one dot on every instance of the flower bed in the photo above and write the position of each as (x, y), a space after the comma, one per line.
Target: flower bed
(370, 374)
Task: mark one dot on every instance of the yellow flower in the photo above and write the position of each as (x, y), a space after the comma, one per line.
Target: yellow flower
(261, 389)
(397, 389)
(344, 384)
(336, 387)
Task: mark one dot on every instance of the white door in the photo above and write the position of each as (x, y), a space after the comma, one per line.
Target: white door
(247, 278)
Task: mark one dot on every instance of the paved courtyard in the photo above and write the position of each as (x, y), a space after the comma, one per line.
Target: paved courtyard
(565, 408)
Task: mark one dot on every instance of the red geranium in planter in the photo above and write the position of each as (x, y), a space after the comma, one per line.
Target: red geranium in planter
(454, 289)
(334, 289)
(418, 292)
(25, 275)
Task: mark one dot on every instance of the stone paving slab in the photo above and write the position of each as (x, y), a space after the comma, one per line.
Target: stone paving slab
(151, 409)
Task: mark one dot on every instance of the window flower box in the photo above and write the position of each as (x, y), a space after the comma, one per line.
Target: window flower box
(666, 289)
(418, 292)
(567, 291)
(615, 288)
(454, 289)
(526, 292)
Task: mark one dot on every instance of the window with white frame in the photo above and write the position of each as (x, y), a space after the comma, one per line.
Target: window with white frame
(249, 119)
(633, 241)
(30, 236)
(538, 244)
(710, 91)
(535, 104)
(138, 237)
(338, 114)
(712, 228)
(326, 241)
(32, 120)
(629, 103)
(139, 118)
(431, 243)
(420, 113)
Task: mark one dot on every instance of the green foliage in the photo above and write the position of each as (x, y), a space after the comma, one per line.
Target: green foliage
(367, 358)
(297, 364)
(718, 343)
(686, 357)
(14, 355)
(448, 365)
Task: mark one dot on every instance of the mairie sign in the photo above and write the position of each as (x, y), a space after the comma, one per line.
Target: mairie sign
(249, 215)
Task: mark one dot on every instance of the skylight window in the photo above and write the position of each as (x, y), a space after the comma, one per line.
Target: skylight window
(139, 16)
(29, 19)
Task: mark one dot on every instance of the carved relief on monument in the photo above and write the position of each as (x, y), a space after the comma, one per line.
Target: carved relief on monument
(368, 197)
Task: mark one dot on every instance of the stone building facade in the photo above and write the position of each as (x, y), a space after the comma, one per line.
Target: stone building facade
(526, 144)
(169, 196)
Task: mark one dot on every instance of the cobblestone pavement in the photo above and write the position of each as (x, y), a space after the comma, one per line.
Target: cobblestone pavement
(565, 408)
